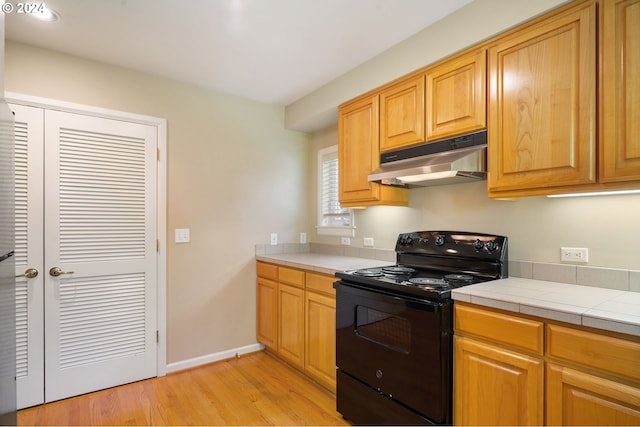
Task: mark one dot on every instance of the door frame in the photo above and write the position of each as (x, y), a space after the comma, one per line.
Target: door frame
(161, 125)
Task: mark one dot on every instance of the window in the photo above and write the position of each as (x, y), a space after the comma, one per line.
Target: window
(332, 219)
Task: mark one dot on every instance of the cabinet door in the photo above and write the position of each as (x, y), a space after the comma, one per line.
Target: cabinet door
(359, 154)
(267, 312)
(402, 114)
(620, 91)
(320, 339)
(456, 96)
(358, 151)
(577, 398)
(494, 386)
(291, 324)
(542, 127)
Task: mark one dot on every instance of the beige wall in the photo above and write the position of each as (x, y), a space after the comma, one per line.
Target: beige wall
(234, 176)
(536, 226)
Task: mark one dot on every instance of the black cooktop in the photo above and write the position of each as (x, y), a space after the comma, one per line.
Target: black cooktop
(432, 263)
(406, 280)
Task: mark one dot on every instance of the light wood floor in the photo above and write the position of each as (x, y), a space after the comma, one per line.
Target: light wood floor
(255, 389)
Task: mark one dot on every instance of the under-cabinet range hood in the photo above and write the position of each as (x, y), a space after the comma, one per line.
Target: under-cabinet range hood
(447, 161)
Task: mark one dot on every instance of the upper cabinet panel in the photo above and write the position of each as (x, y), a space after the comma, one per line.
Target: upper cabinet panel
(402, 114)
(542, 86)
(456, 96)
(620, 91)
(358, 155)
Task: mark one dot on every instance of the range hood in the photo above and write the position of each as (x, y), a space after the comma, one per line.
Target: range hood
(447, 161)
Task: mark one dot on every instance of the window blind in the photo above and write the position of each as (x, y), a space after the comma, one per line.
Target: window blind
(332, 213)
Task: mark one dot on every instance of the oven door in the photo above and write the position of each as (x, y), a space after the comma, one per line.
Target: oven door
(400, 347)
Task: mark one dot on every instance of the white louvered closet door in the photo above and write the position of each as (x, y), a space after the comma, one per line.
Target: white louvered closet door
(86, 202)
(100, 229)
(29, 132)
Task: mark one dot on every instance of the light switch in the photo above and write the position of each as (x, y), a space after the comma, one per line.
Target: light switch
(182, 235)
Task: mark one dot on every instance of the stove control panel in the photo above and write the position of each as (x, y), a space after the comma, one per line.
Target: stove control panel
(453, 244)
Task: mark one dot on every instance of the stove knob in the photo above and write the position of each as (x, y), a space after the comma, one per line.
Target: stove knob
(492, 246)
(405, 240)
(479, 244)
(439, 240)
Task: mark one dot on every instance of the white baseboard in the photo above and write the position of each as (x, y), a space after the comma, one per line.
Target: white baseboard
(214, 357)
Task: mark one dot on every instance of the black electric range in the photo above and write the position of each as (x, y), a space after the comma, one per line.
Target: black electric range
(394, 327)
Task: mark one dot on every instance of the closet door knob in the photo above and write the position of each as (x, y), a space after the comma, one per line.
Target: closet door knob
(57, 271)
(29, 273)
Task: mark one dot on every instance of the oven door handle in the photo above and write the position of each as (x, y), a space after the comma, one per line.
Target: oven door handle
(363, 290)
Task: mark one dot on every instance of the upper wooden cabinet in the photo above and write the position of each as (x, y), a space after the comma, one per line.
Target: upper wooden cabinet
(359, 154)
(542, 104)
(559, 96)
(450, 99)
(456, 96)
(402, 114)
(619, 149)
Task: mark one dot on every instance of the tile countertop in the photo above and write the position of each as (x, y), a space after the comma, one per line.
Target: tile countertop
(601, 308)
(607, 309)
(322, 263)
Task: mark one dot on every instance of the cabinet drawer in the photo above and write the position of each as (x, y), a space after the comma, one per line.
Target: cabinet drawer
(321, 283)
(608, 354)
(509, 330)
(269, 271)
(291, 276)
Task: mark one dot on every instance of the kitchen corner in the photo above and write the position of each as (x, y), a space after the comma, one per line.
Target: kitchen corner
(609, 301)
(326, 259)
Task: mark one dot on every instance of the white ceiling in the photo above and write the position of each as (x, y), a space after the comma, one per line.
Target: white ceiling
(274, 51)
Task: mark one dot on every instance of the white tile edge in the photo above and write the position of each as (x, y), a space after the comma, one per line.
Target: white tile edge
(558, 315)
(495, 303)
(610, 325)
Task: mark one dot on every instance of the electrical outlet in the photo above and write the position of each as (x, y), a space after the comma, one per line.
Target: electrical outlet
(303, 238)
(574, 255)
(274, 238)
(368, 241)
(345, 241)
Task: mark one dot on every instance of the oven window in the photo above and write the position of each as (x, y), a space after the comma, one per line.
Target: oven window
(383, 328)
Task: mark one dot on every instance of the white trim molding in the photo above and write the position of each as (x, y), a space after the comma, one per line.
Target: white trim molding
(213, 357)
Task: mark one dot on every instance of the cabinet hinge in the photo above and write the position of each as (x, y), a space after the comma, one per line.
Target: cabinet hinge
(157, 336)
(157, 245)
(157, 154)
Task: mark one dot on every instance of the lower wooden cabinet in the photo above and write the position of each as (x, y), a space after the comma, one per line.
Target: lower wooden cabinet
(578, 398)
(267, 312)
(495, 386)
(495, 383)
(291, 324)
(500, 360)
(295, 316)
(267, 305)
(320, 346)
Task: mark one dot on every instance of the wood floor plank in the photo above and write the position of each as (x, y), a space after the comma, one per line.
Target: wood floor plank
(255, 389)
